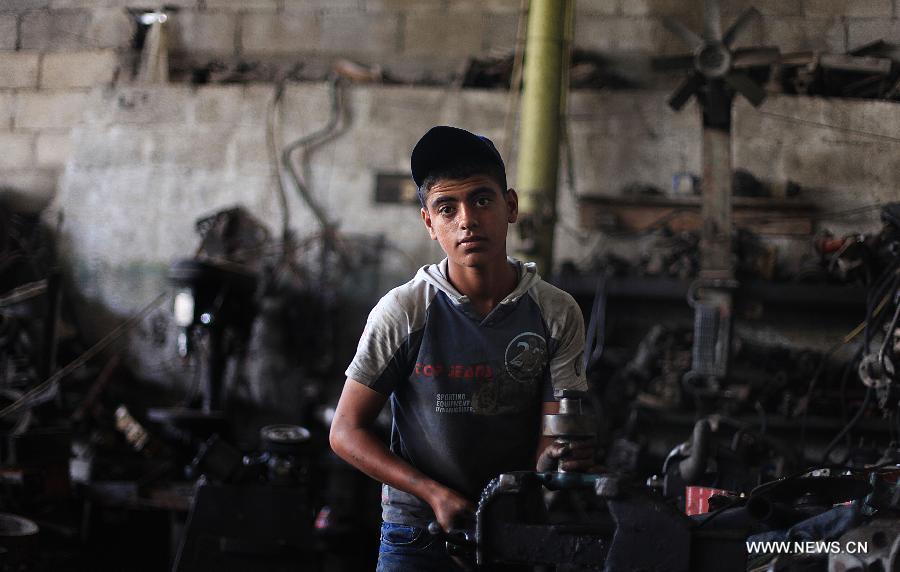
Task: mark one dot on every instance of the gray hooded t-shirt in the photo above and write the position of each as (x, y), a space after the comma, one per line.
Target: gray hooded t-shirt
(466, 392)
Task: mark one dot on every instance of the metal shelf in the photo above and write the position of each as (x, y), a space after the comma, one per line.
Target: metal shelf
(783, 295)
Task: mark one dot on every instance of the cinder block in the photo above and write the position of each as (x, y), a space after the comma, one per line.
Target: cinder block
(604, 7)
(264, 33)
(304, 108)
(483, 109)
(7, 107)
(473, 7)
(848, 8)
(112, 28)
(49, 110)
(444, 34)
(501, 33)
(78, 69)
(732, 8)
(23, 5)
(630, 34)
(242, 4)
(792, 34)
(17, 150)
(53, 149)
(323, 5)
(594, 33)
(232, 105)
(367, 33)
(255, 101)
(861, 32)
(218, 104)
(196, 147)
(402, 5)
(94, 147)
(134, 4)
(136, 105)
(18, 69)
(672, 8)
(248, 150)
(56, 30)
(9, 30)
(202, 32)
(414, 109)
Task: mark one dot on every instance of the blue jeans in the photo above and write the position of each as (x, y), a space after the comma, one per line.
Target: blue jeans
(412, 549)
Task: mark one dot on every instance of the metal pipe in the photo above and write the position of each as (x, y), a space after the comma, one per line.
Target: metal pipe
(542, 104)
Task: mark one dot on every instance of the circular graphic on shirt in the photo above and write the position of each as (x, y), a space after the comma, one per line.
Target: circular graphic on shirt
(526, 356)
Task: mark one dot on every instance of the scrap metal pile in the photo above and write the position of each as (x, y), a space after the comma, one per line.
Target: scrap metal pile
(791, 461)
(793, 445)
(85, 455)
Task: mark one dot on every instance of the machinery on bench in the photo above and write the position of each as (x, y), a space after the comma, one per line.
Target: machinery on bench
(576, 521)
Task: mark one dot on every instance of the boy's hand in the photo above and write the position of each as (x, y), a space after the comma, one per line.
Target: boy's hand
(571, 455)
(450, 507)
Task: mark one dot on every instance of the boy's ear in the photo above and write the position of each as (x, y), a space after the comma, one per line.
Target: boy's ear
(426, 218)
(512, 205)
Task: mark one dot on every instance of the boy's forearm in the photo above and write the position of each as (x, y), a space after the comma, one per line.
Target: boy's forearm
(365, 451)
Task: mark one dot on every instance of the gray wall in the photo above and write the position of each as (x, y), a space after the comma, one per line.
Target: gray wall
(131, 168)
(148, 162)
(52, 52)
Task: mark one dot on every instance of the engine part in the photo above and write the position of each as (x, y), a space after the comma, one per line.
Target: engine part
(285, 449)
(570, 423)
(874, 546)
(626, 531)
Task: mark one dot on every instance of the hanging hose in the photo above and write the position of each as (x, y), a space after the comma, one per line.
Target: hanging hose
(316, 138)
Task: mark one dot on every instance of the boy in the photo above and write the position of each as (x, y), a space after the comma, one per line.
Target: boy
(469, 353)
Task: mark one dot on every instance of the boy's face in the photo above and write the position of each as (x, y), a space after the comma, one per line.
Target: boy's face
(468, 217)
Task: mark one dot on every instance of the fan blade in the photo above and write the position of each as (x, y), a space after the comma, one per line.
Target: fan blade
(685, 90)
(690, 39)
(740, 25)
(712, 21)
(670, 63)
(754, 93)
(754, 57)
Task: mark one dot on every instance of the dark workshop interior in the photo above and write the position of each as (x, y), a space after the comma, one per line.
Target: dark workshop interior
(201, 201)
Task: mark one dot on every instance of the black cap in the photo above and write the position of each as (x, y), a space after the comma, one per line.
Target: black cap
(444, 145)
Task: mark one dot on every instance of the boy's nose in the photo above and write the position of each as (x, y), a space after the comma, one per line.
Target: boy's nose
(467, 217)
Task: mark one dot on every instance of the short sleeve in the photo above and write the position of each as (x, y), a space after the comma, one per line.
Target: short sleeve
(381, 355)
(567, 364)
(566, 328)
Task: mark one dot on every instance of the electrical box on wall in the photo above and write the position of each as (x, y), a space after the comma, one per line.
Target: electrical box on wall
(395, 188)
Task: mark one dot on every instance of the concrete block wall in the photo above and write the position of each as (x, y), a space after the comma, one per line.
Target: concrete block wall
(148, 162)
(51, 55)
(167, 156)
(53, 51)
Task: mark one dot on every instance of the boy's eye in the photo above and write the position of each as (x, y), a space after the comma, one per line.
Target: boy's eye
(445, 209)
(482, 201)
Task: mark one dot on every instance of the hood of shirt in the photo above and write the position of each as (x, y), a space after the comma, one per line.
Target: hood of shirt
(436, 274)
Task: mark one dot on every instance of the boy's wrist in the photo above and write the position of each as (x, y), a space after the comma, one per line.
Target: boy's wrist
(432, 491)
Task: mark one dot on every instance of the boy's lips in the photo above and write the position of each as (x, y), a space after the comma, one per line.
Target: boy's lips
(471, 240)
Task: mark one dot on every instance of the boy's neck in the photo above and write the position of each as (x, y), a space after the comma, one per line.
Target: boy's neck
(485, 286)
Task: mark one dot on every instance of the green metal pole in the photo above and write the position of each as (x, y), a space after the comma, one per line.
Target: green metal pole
(542, 104)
